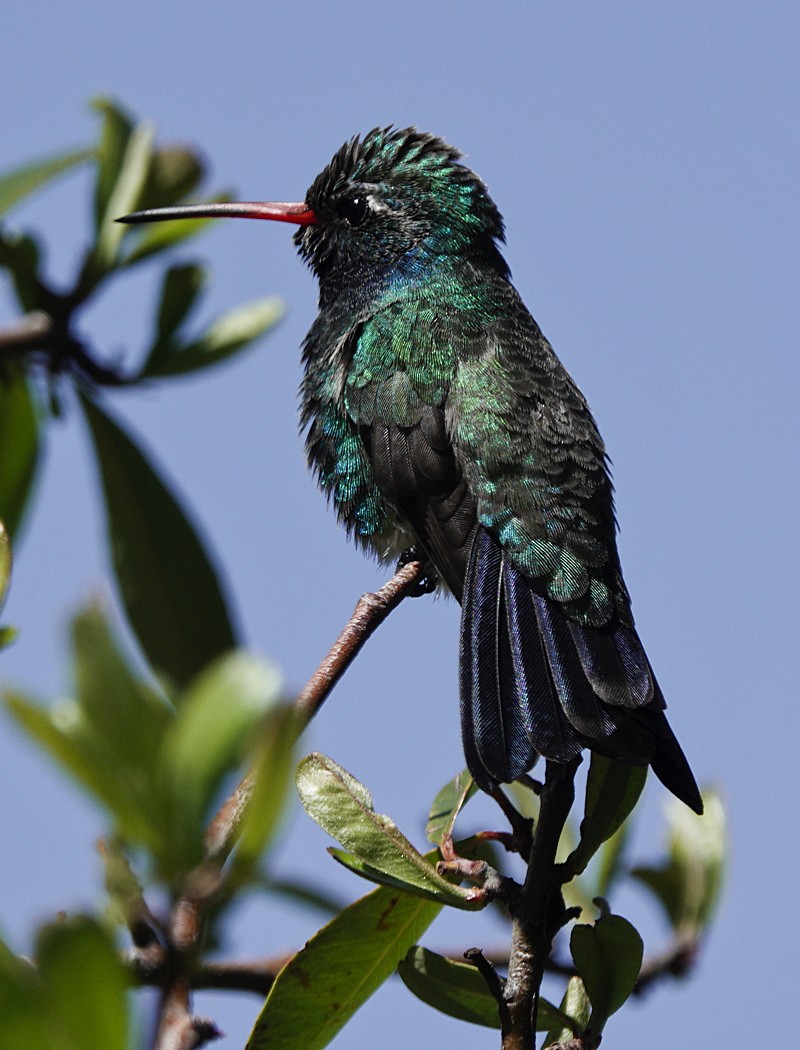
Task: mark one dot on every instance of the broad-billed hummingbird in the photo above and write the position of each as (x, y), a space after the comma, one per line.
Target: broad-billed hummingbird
(438, 417)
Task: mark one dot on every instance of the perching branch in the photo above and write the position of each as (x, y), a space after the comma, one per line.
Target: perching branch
(370, 612)
(174, 971)
(540, 912)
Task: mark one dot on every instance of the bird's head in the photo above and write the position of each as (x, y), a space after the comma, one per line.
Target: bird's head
(389, 203)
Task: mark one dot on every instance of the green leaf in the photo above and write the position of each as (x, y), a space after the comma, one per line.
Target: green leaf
(229, 334)
(123, 197)
(608, 958)
(448, 803)
(114, 135)
(20, 183)
(128, 716)
(22, 1004)
(74, 956)
(19, 449)
(575, 1010)
(150, 238)
(343, 807)
(65, 734)
(454, 988)
(175, 172)
(20, 254)
(321, 988)
(169, 589)
(612, 790)
(688, 885)
(5, 564)
(272, 766)
(217, 715)
(179, 292)
(460, 990)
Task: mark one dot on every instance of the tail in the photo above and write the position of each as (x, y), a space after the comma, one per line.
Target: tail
(536, 683)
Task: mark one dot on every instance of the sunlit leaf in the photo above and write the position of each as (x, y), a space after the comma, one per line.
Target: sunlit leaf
(19, 450)
(217, 716)
(321, 988)
(124, 712)
(74, 956)
(64, 732)
(169, 589)
(115, 132)
(272, 764)
(608, 958)
(5, 564)
(20, 183)
(231, 333)
(448, 803)
(688, 885)
(125, 194)
(343, 807)
(150, 238)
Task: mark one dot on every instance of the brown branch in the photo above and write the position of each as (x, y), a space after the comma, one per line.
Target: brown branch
(370, 612)
(177, 1028)
(540, 911)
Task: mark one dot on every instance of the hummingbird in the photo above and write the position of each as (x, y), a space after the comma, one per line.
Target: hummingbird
(439, 421)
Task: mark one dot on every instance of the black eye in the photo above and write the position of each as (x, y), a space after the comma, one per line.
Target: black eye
(353, 209)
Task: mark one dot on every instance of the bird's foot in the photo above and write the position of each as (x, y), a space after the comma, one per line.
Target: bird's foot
(427, 583)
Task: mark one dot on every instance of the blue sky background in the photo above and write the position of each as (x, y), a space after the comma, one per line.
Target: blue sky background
(645, 157)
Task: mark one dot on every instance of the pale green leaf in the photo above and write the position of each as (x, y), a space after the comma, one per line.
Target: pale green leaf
(343, 807)
(20, 183)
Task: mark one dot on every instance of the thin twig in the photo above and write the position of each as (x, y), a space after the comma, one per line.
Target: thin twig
(370, 612)
(177, 1028)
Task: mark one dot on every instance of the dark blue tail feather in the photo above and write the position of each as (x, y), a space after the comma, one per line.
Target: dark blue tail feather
(534, 682)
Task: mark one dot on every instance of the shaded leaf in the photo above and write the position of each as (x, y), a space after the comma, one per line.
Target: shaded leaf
(459, 990)
(169, 589)
(19, 450)
(612, 790)
(322, 986)
(448, 803)
(343, 807)
(20, 183)
(22, 1006)
(20, 254)
(226, 336)
(608, 958)
(454, 988)
(175, 172)
(74, 956)
(179, 292)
